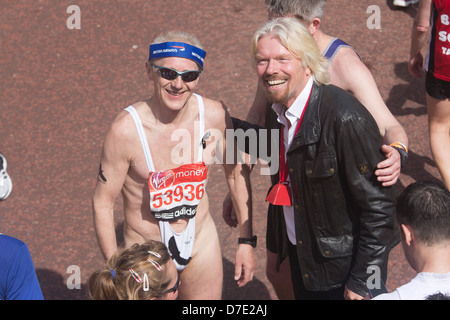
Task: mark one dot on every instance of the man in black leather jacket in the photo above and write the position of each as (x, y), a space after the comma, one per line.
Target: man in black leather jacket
(339, 225)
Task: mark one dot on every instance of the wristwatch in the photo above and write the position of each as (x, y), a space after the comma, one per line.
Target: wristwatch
(251, 241)
(401, 148)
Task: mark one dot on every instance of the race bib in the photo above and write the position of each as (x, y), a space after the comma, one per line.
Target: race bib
(176, 193)
(442, 43)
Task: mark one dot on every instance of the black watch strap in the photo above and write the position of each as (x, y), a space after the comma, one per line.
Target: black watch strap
(403, 156)
(251, 241)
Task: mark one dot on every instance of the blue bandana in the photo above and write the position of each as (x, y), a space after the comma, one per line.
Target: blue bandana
(177, 49)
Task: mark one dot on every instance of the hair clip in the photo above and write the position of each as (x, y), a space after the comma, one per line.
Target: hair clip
(135, 276)
(156, 254)
(155, 264)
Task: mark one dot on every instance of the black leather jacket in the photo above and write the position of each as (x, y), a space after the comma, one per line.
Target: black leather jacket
(344, 219)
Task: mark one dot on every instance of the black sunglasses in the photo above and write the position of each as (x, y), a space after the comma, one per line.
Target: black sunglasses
(171, 74)
(176, 285)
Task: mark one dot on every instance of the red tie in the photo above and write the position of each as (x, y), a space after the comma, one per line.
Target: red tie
(281, 194)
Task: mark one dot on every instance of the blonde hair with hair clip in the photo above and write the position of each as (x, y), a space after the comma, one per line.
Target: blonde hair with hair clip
(297, 39)
(116, 281)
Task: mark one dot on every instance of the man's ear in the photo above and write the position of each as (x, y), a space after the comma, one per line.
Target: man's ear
(408, 234)
(314, 26)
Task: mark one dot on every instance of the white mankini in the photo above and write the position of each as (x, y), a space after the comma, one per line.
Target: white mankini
(175, 194)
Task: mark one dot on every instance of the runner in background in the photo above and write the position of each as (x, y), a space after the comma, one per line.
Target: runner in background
(435, 15)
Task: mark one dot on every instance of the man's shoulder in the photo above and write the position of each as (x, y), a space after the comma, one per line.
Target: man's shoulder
(400, 293)
(9, 246)
(123, 123)
(349, 71)
(213, 105)
(8, 241)
(216, 113)
(343, 104)
(423, 285)
(337, 95)
(347, 56)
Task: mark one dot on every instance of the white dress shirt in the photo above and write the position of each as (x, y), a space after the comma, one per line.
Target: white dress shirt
(289, 118)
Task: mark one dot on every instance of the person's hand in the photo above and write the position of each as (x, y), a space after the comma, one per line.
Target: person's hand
(350, 295)
(245, 264)
(389, 170)
(228, 214)
(415, 65)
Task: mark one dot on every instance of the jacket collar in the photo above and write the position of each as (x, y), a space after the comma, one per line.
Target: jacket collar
(309, 132)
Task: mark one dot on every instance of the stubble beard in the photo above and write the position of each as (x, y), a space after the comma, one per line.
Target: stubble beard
(275, 97)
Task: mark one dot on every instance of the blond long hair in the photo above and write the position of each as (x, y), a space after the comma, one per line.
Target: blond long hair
(115, 282)
(297, 39)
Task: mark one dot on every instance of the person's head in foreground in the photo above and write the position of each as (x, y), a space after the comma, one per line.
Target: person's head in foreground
(141, 272)
(424, 217)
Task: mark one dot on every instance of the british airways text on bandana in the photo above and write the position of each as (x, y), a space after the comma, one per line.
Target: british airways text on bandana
(177, 49)
(176, 193)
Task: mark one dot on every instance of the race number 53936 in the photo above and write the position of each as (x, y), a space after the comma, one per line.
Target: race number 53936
(188, 192)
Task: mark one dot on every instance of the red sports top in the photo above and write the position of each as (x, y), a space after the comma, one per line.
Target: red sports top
(439, 55)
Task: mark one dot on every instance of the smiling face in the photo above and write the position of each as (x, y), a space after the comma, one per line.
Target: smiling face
(281, 74)
(173, 94)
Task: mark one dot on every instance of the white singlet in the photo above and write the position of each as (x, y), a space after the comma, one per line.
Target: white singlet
(175, 194)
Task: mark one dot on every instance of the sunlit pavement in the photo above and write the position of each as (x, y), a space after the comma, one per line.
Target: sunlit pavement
(61, 87)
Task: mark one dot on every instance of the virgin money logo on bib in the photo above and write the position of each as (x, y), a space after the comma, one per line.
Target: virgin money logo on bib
(162, 179)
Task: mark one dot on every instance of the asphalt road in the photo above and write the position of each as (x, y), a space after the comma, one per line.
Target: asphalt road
(60, 88)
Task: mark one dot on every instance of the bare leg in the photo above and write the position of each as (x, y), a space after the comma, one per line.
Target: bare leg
(439, 126)
(281, 281)
(203, 277)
